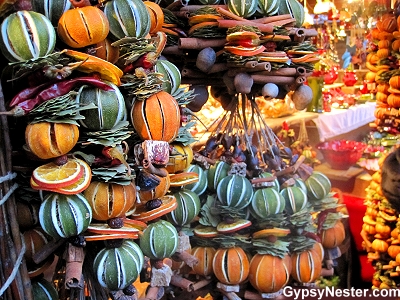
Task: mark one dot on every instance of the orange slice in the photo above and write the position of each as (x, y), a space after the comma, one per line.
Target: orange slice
(169, 203)
(102, 228)
(53, 176)
(103, 237)
(81, 185)
(205, 231)
(270, 231)
(203, 18)
(224, 227)
(183, 178)
(156, 16)
(135, 223)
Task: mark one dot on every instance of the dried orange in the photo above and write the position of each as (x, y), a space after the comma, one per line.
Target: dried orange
(141, 213)
(183, 178)
(54, 176)
(74, 188)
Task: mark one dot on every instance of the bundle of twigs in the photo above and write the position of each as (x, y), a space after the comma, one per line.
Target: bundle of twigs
(14, 280)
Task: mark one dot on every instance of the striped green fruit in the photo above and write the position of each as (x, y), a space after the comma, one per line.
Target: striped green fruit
(188, 208)
(52, 9)
(243, 8)
(110, 110)
(117, 268)
(318, 186)
(215, 174)
(43, 290)
(293, 7)
(127, 18)
(301, 184)
(275, 183)
(268, 7)
(159, 240)
(200, 186)
(171, 74)
(235, 191)
(267, 202)
(26, 35)
(63, 216)
(295, 198)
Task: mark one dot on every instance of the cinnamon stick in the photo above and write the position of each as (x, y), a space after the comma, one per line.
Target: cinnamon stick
(218, 67)
(186, 72)
(172, 50)
(226, 13)
(74, 257)
(232, 23)
(263, 79)
(193, 8)
(200, 284)
(182, 283)
(308, 32)
(282, 22)
(282, 72)
(248, 64)
(299, 35)
(261, 180)
(181, 14)
(267, 20)
(252, 295)
(199, 43)
(301, 71)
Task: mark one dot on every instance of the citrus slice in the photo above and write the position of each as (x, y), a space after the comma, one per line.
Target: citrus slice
(79, 186)
(102, 228)
(135, 223)
(225, 227)
(205, 231)
(103, 237)
(183, 178)
(271, 231)
(245, 51)
(52, 176)
(141, 213)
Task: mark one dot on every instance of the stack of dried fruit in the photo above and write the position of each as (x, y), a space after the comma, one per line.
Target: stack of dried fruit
(382, 61)
(107, 129)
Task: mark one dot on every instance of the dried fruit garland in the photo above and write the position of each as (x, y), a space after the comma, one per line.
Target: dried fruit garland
(129, 174)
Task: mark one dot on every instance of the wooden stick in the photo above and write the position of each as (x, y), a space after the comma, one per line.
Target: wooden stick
(21, 286)
(199, 43)
(47, 250)
(266, 20)
(232, 23)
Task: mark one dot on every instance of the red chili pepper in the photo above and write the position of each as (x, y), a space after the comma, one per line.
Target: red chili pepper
(61, 88)
(28, 93)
